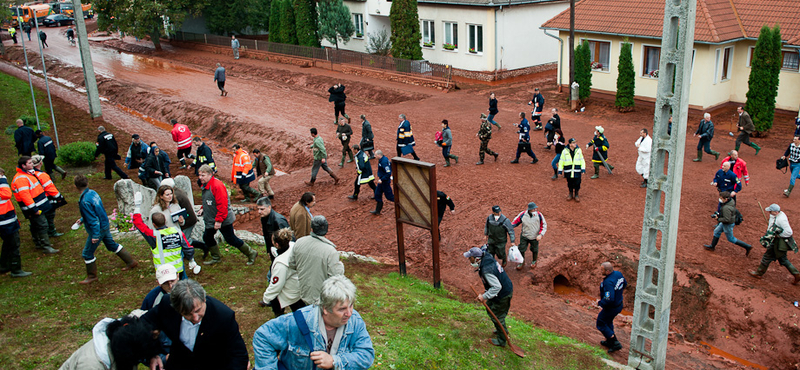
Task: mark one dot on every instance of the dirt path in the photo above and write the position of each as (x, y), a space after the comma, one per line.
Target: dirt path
(271, 106)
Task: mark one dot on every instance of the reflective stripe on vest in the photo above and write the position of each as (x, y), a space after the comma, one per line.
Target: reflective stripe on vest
(38, 200)
(168, 248)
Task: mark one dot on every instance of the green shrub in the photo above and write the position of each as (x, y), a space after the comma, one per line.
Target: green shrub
(625, 79)
(583, 70)
(30, 121)
(77, 154)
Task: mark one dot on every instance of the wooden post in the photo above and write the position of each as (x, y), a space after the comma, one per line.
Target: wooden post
(437, 280)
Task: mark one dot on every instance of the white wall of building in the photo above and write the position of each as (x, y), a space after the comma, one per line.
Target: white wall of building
(520, 41)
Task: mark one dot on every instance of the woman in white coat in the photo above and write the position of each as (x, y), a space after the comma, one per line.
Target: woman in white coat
(644, 145)
(284, 287)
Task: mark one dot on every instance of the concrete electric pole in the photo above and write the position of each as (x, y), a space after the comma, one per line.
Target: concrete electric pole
(86, 59)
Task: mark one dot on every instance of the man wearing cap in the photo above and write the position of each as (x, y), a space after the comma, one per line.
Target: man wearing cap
(485, 134)
(499, 289)
(778, 241)
(496, 227)
(611, 305)
(727, 220)
(24, 137)
(167, 276)
(182, 136)
(600, 144)
(137, 152)
(572, 166)
(383, 183)
(47, 148)
(107, 145)
(533, 228)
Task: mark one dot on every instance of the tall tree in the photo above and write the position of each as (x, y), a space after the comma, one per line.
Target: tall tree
(275, 21)
(626, 81)
(406, 37)
(236, 16)
(764, 78)
(287, 31)
(583, 70)
(142, 18)
(305, 12)
(334, 21)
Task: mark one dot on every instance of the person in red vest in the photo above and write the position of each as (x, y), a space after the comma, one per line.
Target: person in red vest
(242, 173)
(33, 202)
(10, 260)
(182, 136)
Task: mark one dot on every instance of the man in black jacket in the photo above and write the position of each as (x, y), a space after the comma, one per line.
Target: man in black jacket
(24, 139)
(705, 132)
(367, 137)
(203, 331)
(338, 98)
(499, 289)
(155, 168)
(204, 156)
(496, 228)
(107, 145)
(271, 222)
(47, 148)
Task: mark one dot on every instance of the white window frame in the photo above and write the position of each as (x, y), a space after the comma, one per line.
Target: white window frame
(722, 67)
(453, 26)
(717, 63)
(643, 59)
(431, 28)
(359, 25)
(608, 64)
(473, 28)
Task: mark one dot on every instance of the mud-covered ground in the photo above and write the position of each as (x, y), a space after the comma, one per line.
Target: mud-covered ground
(721, 317)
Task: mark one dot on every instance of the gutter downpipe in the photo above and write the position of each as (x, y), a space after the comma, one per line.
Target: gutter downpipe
(560, 56)
(496, 56)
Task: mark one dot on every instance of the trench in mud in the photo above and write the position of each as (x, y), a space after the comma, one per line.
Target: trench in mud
(716, 351)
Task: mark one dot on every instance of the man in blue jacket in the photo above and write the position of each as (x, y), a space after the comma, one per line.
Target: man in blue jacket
(47, 148)
(705, 131)
(611, 303)
(524, 144)
(336, 333)
(384, 182)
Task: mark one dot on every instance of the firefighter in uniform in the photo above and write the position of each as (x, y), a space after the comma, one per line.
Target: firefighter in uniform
(182, 136)
(485, 134)
(384, 180)
(30, 195)
(611, 303)
(364, 172)
(600, 144)
(572, 165)
(10, 260)
(242, 173)
(204, 156)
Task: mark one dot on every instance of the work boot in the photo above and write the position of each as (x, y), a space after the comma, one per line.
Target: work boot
(341, 163)
(249, 252)
(498, 342)
(535, 160)
(335, 179)
(126, 257)
(447, 162)
(16, 268)
(454, 157)
(378, 208)
(756, 147)
(495, 154)
(309, 183)
(515, 161)
(91, 273)
(55, 234)
(713, 245)
(569, 197)
(216, 257)
(759, 272)
(48, 250)
(576, 197)
(478, 163)
(788, 191)
(699, 156)
(716, 155)
(796, 279)
(747, 247)
(644, 184)
(614, 345)
(352, 197)
(596, 171)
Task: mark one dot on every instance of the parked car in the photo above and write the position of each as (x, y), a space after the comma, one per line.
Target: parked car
(57, 20)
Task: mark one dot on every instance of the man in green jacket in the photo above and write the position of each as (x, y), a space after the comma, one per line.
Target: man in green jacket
(746, 128)
(315, 259)
(496, 228)
(264, 172)
(320, 158)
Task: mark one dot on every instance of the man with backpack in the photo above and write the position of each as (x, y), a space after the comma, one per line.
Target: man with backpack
(728, 217)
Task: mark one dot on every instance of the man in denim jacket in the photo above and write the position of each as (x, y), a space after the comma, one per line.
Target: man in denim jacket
(340, 337)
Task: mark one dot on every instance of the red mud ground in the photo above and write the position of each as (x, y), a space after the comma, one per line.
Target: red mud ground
(271, 106)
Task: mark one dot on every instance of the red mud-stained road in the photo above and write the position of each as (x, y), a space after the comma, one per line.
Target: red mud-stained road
(271, 106)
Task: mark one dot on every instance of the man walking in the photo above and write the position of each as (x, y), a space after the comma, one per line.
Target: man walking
(485, 134)
(553, 125)
(367, 137)
(94, 217)
(182, 136)
(499, 290)
(727, 217)
(242, 173)
(43, 38)
(524, 144)
(24, 137)
(217, 215)
(344, 132)
(33, 202)
(271, 222)
(705, 131)
(47, 148)
(405, 138)
(384, 182)
(496, 228)
(746, 128)
(10, 259)
(778, 241)
(320, 158)
(13, 33)
(300, 215)
(600, 154)
(537, 105)
(235, 46)
(338, 98)
(315, 259)
(792, 154)
(219, 78)
(727, 181)
(204, 156)
(364, 170)
(611, 305)
(643, 145)
(572, 166)
(107, 146)
(264, 172)
(27, 27)
(443, 201)
(533, 228)
(447, 143)
(738, 166)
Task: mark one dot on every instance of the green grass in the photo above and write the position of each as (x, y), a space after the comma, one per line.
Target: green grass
(17, 103)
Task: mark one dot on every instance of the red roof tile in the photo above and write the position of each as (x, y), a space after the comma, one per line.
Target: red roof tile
(716, 21)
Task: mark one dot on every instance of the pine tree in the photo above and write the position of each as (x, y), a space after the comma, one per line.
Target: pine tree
(626, 81)
(305, 12)
(334, 21)
(288, 30)
(583, 70)
(765, 68)
(275, 21)
(406, 37)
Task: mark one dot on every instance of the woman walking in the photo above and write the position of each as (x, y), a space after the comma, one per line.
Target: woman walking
(558, 141)
(446, 142)
(493, 110)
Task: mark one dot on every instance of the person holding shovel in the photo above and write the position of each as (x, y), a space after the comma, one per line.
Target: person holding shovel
(499, 290)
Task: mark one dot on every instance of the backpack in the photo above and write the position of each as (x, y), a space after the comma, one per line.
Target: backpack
(738, 219)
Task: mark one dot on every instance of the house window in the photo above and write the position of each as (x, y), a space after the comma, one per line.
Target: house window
(450, 35)
(652, 56)
(600, 51)
(358, 20)
(475, 38)
(428, 35)
(727, 63)
(791, 60)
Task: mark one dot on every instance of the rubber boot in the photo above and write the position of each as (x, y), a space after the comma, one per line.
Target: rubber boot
(447, 162)
(454, 157)
(788, 191)
(713, 245)
(756, 147)
(350, 154)
(747, 247)
(249, 252)
(614, 344)
(335, 179)
(310, 183)
(495, 154)
(183, 163)
(576, 197)
(378, 208)
(796, 279)
(555, 175)
(341, 163)
(216, 257)
(596, 171)
(759, 272)
(569, 197)
(126, 257)
(716, 155)
(699, 156)
(91, 273)
(16, 268)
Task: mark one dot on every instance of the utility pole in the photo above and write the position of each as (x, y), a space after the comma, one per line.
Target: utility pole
(28, 67)
(47, 83)
(650, 331)
(86, 59)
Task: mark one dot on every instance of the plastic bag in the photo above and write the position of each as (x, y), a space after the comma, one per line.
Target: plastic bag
(514, 255)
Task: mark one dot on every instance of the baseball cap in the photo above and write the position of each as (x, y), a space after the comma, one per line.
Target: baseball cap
(496, 209)
(165, 273)
(532, 206)
(474, 252)
(773, 208)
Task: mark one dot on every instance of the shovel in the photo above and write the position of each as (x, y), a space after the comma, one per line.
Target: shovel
(514, 348)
